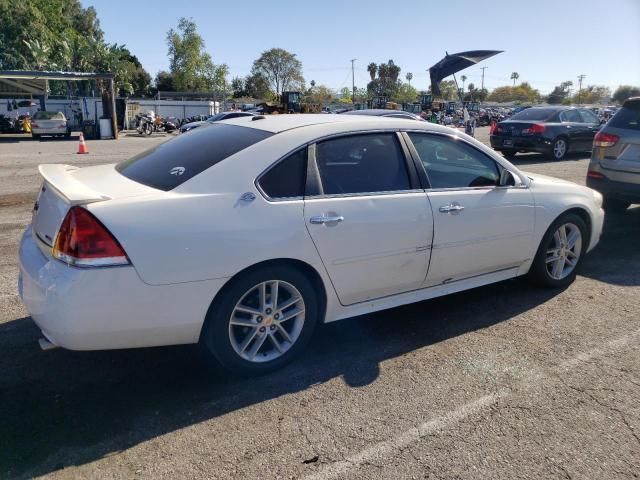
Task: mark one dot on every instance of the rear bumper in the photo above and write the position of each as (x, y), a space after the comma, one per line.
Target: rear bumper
(108, 308)
(521, 144)
(627, 192)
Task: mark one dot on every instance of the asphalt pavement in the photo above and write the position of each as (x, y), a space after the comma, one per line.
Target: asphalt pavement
(506, 381)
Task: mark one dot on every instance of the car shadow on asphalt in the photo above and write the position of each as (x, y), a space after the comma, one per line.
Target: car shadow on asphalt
(64, 408)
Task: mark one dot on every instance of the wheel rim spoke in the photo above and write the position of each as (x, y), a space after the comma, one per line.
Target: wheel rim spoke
(563, 256)
(256, 346)
(288, 303)
(242, 322)
(276, 343)
(245, 309)
(284, 333)
(245, 343)
(291, 314)
(274, 295)
(262, 296)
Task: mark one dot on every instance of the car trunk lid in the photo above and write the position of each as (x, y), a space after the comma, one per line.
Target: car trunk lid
(513, 128)
(624, 156)
(65, 186)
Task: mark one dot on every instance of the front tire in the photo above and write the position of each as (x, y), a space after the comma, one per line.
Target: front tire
(261, 320)
(559, 148)
(560, 252)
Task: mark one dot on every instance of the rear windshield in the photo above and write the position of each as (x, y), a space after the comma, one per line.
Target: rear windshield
(48, 116)
(174, 162)
(534, 114)
(627, 117)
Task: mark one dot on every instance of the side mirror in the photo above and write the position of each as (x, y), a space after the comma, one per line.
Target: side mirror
(507, 179)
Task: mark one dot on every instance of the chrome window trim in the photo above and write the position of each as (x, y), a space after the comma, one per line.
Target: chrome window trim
(364, 194)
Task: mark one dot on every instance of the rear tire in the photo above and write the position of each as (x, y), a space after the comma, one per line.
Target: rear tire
(559, 148)
(613, 205)
(247, 334)
(556, 250)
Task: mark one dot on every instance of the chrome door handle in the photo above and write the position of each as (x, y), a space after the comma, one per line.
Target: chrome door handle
(453, 208)
(320, 219)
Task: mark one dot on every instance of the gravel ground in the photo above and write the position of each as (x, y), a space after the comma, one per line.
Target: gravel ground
(505, 381)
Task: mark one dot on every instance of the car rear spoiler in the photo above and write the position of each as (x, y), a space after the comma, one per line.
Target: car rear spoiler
(60, 178)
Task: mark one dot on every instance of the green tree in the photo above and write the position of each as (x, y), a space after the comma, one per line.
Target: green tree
(406, 94)
(320, 94)
(372, 68)
(281, 69)
(560, 93)
(257, 86)
(514, 76)
(592, 94)
(523, 93)
(464, 79)
(625, 91)
(387, 82)
(191, 66)
(346, 95)
(409, 77)
(164, 82)
(448, 90)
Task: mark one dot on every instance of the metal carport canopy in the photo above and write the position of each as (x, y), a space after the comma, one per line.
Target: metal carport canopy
(33, 82)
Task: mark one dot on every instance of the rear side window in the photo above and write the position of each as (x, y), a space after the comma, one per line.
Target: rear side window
(588, 116)
(539, 114)
(362, 164)
(627, 117)
(176, 161)
(287, 178)
(48, 116)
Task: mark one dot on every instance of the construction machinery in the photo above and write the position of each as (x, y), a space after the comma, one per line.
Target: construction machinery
(290, 102)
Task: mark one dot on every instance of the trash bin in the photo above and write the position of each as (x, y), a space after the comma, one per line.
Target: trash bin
(106, 129)
(89, 129)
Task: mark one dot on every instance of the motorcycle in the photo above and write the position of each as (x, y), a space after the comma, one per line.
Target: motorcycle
(149, 123)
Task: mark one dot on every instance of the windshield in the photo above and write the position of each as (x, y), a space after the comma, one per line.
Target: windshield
(534, 114)
(174, 162)
(49, 116)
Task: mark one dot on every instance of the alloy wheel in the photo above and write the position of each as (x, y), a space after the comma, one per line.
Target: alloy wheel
(564, 251)
(559, 148)
(266, 321)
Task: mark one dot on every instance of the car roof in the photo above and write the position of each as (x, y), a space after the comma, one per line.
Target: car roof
(281, 123)
(380, 112)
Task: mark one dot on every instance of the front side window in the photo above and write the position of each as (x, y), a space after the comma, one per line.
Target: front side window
(174, 162)
(451, 163)
(287, 178)
(362, 164)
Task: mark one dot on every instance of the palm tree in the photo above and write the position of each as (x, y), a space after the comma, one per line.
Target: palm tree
(472, 88)
(409, 77)
(514, 76)
(464, 79)
(372, 68)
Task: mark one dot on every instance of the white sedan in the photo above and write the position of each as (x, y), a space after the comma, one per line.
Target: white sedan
(50, 123)
(244, 235)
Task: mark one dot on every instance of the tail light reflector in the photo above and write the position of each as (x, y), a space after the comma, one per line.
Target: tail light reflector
(533, 129)
(595, 175)
(605, 140)
(83, 241)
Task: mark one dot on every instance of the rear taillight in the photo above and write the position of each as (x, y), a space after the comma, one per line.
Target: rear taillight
(605, 140)
(595, 175)
(533, 129)
(498, 129)
(84, 242)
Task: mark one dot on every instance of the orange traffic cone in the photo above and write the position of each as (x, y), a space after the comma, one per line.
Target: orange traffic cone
(82, 147)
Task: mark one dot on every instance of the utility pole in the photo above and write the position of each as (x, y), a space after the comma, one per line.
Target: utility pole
(483, 69)
(353, 82)
(580, 78)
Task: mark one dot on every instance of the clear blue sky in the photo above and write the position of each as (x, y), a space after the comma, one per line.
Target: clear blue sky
(545, 41)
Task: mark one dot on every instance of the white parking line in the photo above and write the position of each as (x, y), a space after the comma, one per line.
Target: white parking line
(388, 448)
